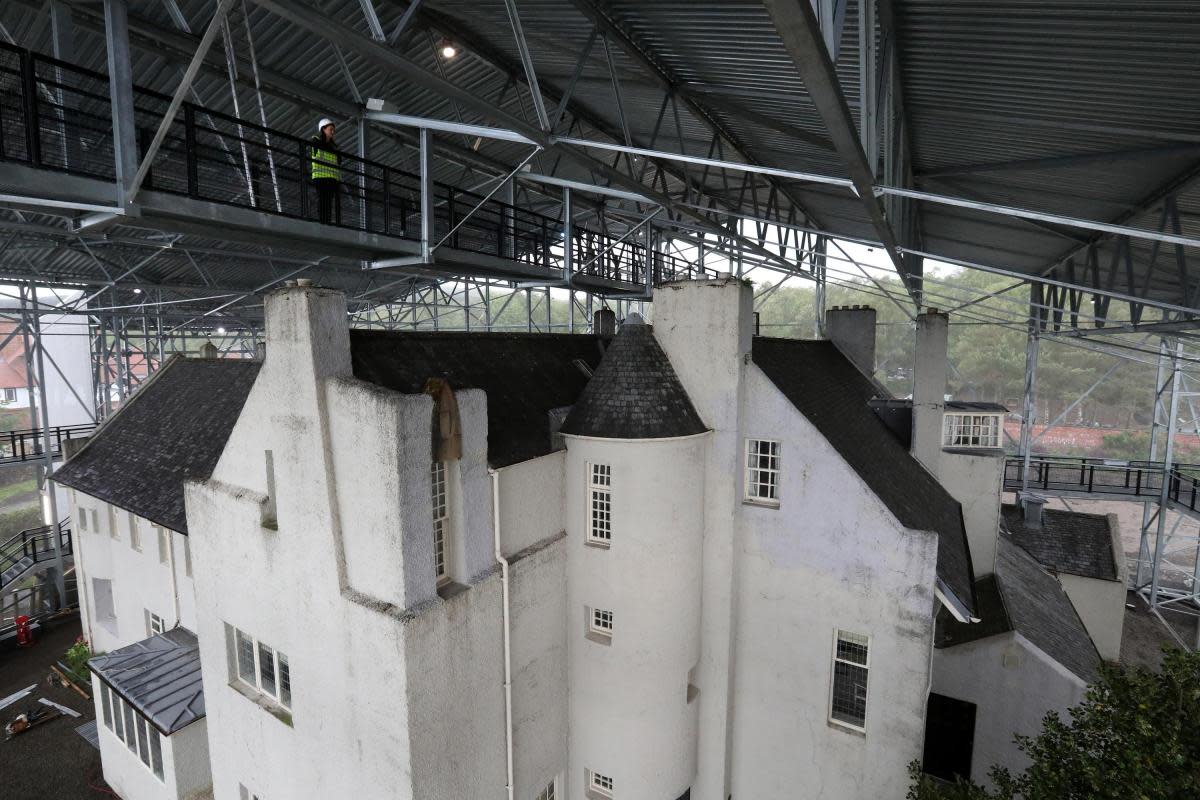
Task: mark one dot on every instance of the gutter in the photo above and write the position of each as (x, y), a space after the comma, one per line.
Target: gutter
(956, 608)
(508, 715)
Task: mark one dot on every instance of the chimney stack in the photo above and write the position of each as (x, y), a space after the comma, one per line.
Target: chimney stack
(1033, 505)
(852, 329)
(929, 387)
(604, 322)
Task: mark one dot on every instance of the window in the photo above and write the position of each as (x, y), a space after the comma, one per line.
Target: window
(851, 660)
(164, 544)
(128, 725)
(971, 430)
(83, 514)
(602, 622)
(600, 500)
(10, 395)
(187, 556)
(762, 471)
(135, 536)
(154, 623)
(103, 604)
(113, 530)
(441, 520)
(600, 784)
(95, 521)
(548, 793)
(263, 668)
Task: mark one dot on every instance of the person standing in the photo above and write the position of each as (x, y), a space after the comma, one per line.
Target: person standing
(325, 173)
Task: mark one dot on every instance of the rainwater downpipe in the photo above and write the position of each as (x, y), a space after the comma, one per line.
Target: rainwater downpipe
(508, 718)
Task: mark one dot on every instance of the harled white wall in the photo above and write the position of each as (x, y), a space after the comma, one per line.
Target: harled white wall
(831, 556)
(1013, 684)
(974, 480)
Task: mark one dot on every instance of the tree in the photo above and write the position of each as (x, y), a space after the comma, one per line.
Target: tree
(1135, 736)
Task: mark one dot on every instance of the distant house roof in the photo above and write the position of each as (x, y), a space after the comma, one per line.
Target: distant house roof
(12, 358)
(635, 394)
(1068, 541)
(172, 430)
(1024, 597)
(159, 676)
(835, 397)
(525, 375)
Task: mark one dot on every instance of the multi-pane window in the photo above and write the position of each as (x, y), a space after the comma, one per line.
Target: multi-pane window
(83, 519)
(135, 536)
(548, 793)
(128, 724)
(601, 784)
(154, 623)
(762, 471)
(263, 668)
(602, 621)
(600, 499)
(441, 520)
(971, 430)
(851, 660)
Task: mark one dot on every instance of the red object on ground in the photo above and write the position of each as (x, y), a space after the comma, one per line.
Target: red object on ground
(24, 631)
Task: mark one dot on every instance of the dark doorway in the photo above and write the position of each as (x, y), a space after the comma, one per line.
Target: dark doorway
(949, 737)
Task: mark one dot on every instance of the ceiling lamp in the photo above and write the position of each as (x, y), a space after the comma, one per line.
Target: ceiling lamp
(448, 50)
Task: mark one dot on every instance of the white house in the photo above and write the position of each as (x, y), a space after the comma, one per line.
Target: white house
(681, 561)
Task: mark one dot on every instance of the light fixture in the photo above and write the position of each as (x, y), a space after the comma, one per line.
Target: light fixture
(448, 50)
(137, 290)
(220, 331)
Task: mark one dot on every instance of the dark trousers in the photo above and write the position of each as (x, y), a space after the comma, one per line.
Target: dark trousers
(329, 202)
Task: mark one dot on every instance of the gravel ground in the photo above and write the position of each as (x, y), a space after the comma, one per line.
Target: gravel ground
(51, 761)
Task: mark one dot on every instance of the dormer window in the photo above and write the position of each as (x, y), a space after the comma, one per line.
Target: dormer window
(971, 430)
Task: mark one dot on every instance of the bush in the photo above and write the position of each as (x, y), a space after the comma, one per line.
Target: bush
(77, 658)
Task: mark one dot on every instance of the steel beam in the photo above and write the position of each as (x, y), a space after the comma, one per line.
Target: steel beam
(800, 31)
(120, 88)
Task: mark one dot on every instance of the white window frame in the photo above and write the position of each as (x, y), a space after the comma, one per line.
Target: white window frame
(550, 792)
(443, 539)
(755, 489)
(135, 536)
(599, 504)
(853, 638)
(10, 395)
(113, 530)
(281, 673)
(83, 518)
(155, 623)
(600, 622)
(972, 429)
(133, 729)
(95, 521)
(599, 784)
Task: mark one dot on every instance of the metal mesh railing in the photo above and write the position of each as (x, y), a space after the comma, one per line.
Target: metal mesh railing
(57, 116)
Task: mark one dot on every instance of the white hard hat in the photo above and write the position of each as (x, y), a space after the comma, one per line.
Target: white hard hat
(324, 121)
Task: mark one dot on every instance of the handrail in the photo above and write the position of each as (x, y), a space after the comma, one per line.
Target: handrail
(272, 174)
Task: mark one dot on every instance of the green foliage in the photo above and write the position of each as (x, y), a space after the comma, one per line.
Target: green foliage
(77, 657)
(1134, 736)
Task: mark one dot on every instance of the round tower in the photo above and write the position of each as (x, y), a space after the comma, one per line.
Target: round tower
(635, 518)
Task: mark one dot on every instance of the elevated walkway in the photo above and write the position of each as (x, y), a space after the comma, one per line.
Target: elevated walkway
(1101, 479)
(227, 178)
(21, 447)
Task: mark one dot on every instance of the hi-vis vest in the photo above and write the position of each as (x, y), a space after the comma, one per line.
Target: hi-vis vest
(324, 162)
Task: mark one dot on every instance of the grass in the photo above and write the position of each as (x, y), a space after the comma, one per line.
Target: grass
(14, 489)
(19, 519)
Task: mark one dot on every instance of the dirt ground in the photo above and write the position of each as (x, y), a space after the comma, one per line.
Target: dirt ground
(51, 761)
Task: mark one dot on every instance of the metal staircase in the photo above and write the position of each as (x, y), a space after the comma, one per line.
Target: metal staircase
(21, 554)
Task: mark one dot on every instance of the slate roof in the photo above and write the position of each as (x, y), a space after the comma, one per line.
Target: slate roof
(970, 405)
(172, 430)
(1068, 541)
(835, 396)
(635, 394)
(159, 676)
(525, 375)
(1024, 597)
